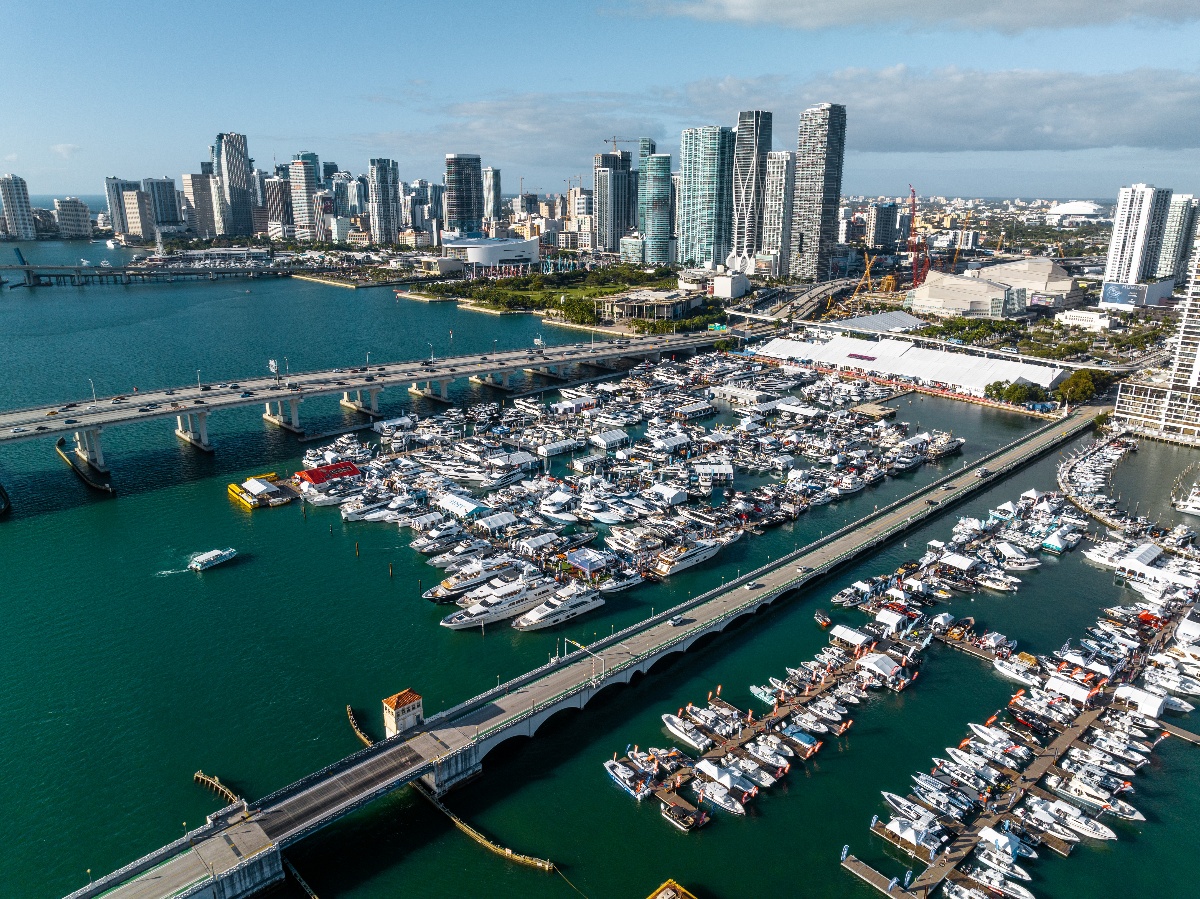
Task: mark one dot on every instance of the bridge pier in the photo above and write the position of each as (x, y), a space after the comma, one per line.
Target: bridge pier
(495, 380)
(193, 427)
(291, 422)
(454, 769)
(356, 404)
(89, 450)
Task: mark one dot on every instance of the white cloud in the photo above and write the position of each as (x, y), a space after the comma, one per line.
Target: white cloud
(11, 157)
(66, 151)
(992, 15)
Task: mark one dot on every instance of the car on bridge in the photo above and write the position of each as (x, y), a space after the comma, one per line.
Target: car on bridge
(71, 421)
(18, 430)
(754, 585)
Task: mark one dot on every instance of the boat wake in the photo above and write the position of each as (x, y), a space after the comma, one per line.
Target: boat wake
(169, 572)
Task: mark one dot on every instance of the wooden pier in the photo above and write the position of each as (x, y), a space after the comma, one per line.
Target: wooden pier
(866, 873)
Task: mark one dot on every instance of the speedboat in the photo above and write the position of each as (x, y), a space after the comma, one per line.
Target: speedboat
(1070, 817)
(1000, 861)
(628, 780)
(1078, 789)
(1091, 756)
(718, 796)
(1017, 670)
(993, 880)
(686, 732)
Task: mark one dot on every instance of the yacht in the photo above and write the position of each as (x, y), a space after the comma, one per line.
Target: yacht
(557, 507)
(622, 580)
(435, 537)
(632, 540)
(685, 555)
(1015, 560)
(474, 574)
(463, 551)
(904, 463)
(944, 444)
(1016, 669)
(568, 603)
(686, 732)
(1070, 817)
(211, 558)
(1097, 799)
(505, 602)
(718, 796)
(1190, 505)
(359, 508)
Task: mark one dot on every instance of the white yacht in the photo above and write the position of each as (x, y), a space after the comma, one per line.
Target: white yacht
(212, 557)
(505, 602)
(557, 507)
(594, 508)
(462, 552)
(633, 540)
(475, 574)
(621, 580)
(686, 732)
(685, 555)
(1190, 505)
(1014, 559)
(568, 603)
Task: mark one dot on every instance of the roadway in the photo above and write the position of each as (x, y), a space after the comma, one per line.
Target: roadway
(299, 810)
(81, 415)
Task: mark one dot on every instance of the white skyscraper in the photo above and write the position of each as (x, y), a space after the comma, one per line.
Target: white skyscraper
(491, 194)
(1177, 238)
(302, 179)
(751, 146)
(1137, 234)
(820, 153)
(383, 187)
(777, 208)
(18, 217)
(74, 218)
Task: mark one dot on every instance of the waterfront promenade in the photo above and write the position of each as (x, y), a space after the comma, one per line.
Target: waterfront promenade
(239, 850)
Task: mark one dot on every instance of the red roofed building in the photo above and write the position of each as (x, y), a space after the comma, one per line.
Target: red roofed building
(402, 712)
(325, 474)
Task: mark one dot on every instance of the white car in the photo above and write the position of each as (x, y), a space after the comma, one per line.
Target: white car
(753, 585)
(19, 430)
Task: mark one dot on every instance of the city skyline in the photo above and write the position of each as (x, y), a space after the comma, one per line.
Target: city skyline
(956, 105)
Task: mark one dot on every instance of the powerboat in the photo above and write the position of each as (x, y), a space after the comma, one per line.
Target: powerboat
(213, 557)
(685, 555)
(628, 780)
(686, 732)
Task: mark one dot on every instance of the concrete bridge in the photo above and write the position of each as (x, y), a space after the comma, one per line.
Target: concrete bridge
(238, 850)
(191, 405)
(79, 275)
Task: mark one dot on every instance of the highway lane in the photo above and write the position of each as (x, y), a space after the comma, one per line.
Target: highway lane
(68, 417)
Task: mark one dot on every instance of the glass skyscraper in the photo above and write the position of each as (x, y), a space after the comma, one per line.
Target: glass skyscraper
(705, 199)
(383, 201)
(463, 199)
(820, 152)
(646, 149)
(656, 185)
(612, 189)
(231, 163)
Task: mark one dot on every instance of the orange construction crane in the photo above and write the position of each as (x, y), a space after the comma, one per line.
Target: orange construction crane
(620, 140)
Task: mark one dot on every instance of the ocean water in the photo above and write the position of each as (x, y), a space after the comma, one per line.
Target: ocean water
(123, 674)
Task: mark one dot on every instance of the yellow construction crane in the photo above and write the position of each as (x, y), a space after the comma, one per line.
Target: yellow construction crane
(865, 279)
(620, 140)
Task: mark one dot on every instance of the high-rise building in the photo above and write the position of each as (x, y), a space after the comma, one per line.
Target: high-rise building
(646, 148)
(705, 200)
(881, 225)
(279, 203)
(258, 188)
(74, 218)
(820, 153)
(312, 159)
(114, 192)
(328, 170)
(302, 184)
(162, 198)
(356, 195)
(18, 216)
(1169, 407)
(777, 209)
(231, 164)
(463, 199)
(139, 214)
(579, 202)
(493, 206)
(751, 147)
(281, 170)
(612, 183)
(1178, 234)
(524, 205)
(201, 192)
(1137, 234)
(654, 176)
(383, 179)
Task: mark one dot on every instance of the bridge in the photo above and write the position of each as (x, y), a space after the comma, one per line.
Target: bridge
(360, 388)
(799, 305)
(79, 275)
(239, 849)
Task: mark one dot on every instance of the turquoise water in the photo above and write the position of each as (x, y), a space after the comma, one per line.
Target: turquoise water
(124, 675)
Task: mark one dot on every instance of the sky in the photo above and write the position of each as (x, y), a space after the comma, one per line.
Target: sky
(1004, 98)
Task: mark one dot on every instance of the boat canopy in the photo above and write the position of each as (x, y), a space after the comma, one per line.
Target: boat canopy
(1073, 690)
(498, 521)
(1145, 702)
(420, 522)
(879, 663)
(530, 545)
(257, 487)
(1032, 494)
(588, 560)
(894, 621)
(1009, 551)
(959, 561)
(461, 506)
(849, 635)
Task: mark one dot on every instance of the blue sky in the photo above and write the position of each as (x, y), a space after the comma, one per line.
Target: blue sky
(1003, 98)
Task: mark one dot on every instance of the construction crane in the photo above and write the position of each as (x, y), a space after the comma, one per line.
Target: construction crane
(958, 243)
(919, 270)
(620, 140)
(855, 304)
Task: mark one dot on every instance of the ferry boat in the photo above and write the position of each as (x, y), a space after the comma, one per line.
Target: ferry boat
(568, 603)
(677, 558)
(211, 558)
